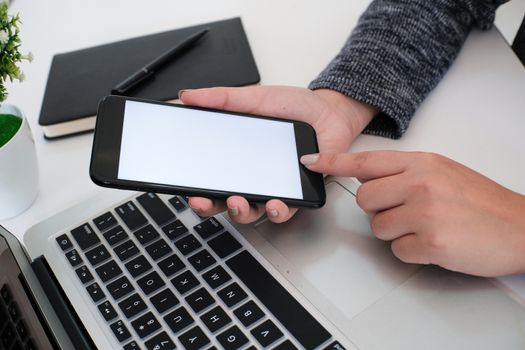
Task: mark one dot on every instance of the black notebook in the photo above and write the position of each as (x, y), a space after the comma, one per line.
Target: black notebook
(79, 79)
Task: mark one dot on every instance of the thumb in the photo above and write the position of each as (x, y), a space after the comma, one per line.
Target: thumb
(366, 165)
(216, 97)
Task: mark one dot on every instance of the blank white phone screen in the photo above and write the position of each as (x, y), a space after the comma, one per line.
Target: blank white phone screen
(200, 149)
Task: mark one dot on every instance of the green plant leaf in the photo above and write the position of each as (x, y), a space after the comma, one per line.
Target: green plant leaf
(10, 55)
(9, 125)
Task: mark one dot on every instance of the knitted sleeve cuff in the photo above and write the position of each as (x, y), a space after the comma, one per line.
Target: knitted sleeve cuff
(398, 52)
(394, 116)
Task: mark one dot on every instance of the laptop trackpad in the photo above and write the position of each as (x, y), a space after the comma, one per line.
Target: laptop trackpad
(335, 252)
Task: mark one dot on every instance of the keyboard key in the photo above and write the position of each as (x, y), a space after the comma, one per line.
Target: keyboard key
(5, 293)
(64, 242)
(232, 338)
(266, 333)
(7, 336)
(164, 300)
(188, 244)
(215, 319)
(17, 344)
(13, 312)
(160, 342)
(132, 346)
(85, 236)
(4, 317)
(174, 229)
(287, 345)
(194, 339)
(104, 221)
(115, 235)
(126, 250)
(95, 292)
(185, 282)
(120, 330)
(158, 249)
(108, 271)
(178, 203)
(132, 305)
(97, 255)
(120, 287)
(178, 320)
(248, 313)
(107, 311)
(208, 227)
(224, 244)
(73, 258)
(293, 316)
(146, 234)
(83, 274)
(131, 215)
(138, 266)
(335, 346)
(145, 325)
(200, 300)
(155, 207)
(216, 277)
(151, 282)
(171, 265)
(22, 331)
(202, 260)
(232, 294)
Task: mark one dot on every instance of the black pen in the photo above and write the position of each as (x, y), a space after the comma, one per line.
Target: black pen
(149, 69)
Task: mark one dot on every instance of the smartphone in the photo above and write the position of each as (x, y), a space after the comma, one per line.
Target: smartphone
(168, 148)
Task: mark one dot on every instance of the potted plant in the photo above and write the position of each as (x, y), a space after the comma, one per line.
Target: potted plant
(10, 57)
(18, 163)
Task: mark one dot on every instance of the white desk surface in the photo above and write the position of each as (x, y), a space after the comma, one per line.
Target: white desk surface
(476, 115)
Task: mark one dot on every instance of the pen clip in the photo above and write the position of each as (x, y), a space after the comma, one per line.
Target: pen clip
(133, 80)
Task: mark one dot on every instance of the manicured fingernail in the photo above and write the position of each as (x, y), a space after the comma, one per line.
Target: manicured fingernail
(308, 159)
(233, 211)
(181, 92)
(273, 213)
(196, 210)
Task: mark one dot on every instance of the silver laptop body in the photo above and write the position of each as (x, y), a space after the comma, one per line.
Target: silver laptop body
(327, 283)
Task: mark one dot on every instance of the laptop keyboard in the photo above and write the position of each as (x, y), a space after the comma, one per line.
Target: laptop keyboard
(161, 282)
(14, 333)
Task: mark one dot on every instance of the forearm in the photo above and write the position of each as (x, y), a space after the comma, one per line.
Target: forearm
(399, 51)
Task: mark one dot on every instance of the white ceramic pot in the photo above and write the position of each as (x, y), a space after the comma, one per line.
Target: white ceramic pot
(18, 168)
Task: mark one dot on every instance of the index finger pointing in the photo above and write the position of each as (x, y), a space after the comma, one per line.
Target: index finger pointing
(363, 165)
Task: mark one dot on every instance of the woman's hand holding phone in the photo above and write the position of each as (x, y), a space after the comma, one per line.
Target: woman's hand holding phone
(336, 118)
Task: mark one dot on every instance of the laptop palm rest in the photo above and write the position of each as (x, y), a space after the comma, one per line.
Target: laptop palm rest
(336, 239)
(378, 302)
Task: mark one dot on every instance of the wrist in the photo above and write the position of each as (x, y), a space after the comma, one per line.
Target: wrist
(356, 113)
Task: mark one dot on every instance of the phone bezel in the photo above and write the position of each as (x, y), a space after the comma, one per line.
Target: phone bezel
(106, 152)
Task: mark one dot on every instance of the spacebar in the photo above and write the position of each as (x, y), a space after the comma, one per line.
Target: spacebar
(281, 304)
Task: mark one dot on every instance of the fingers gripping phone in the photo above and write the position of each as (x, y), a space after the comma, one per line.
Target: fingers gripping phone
(161, 147)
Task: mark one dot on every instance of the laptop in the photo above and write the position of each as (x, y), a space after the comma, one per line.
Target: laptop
(128, 270)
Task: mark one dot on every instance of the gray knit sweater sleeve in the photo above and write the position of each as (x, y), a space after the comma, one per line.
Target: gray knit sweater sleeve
(399, 51)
